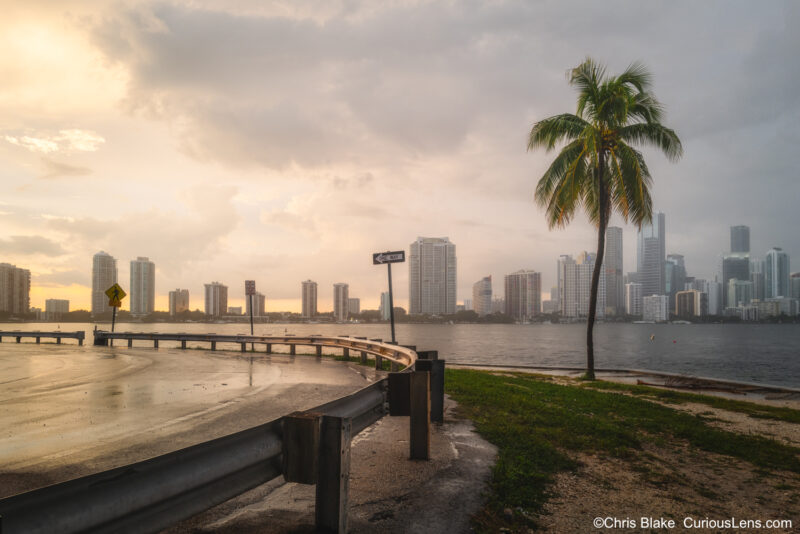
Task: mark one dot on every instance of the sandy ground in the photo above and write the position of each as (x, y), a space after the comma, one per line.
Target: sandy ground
(388, 492)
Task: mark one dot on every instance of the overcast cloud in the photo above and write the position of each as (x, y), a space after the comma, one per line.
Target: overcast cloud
(284, 141)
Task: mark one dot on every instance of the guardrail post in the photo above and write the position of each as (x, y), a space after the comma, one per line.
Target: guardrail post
(269, 348)
(363, 357)
(130, 342)
(399, 391)
(58, 341)
(346, 353)
(155, 343)
(428, 354)
(319, 351)
(213, 345)
(244, 347)
(333, 481)
(292, 350)
(420, 420)
(183, 343)
(301, 431)
(436, 369)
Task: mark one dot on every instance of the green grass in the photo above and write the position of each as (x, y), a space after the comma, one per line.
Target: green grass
(540, 426)
(759, 411)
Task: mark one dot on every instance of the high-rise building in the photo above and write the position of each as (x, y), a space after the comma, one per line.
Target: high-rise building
(354, 305)
(55, 309)
(740, 293)
(714, 291)
(612, 261)
(104, 275)
(309, 297)
(498, 305)
(385, 306)
(234, 310)
(691, 303)
(651, 255)
(736, 266)
(341, 294)
(655, 308)
(259, 305)
(633, 298)
(216, 299)
(675, 276)
(575, 285)
(432, 276)
(757, 276)
(143, 286)
(482, 296)
(523, 294)
(794, 280)
(740, 239)
(178, 301)
(15, 289)
(776, 276)
(468, 305)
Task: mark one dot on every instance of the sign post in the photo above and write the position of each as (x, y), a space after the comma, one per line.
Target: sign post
(249, 291)
(379, 258)
(115, 295)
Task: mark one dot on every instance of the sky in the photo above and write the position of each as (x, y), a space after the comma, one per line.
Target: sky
(289, 140)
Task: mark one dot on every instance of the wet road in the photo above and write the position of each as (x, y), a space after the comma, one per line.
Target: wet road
(67, 411)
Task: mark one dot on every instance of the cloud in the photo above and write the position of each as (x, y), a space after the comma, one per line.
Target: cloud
(54, 169)
(28, 245)
(66, 141)
(62, 278)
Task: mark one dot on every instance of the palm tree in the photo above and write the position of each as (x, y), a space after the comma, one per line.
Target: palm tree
(598, 168)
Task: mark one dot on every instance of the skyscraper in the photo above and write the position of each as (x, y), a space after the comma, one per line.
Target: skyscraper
(104, 275)
(15, 289)
(309, 296)
(776, 275)
(55, 309)
(216, 299)
(178, 301)
(432, 276)
(523, 294)
(575, 285)
(675, 276)
(651, 255)
(341, 305)
(482, 296)
(757, 272)
(612, 261)
(567, 272)
(794, 280)
(143, 286)
(354, 305)
(740, 292)
(384, 309)
(633, 298)
(734, 266)
(740, 239)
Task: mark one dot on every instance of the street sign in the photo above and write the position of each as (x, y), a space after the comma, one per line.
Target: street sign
(380, 258)
(249, 287)
(115, 295)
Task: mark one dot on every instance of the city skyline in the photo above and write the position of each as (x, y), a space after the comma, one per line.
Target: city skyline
(115, 139)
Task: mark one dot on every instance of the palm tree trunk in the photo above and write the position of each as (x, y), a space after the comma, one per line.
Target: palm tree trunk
(602, 199)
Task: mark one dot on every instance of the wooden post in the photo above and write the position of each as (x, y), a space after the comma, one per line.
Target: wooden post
(19, 339)
(346, 353)
(333, 480)
(155, 343)
(213, 345)
(58, 341)
(420, 420)
(269, 348)
(363, 357)
(395, 366)
(183, 343)
(38, 340)
(301, 433)
(130, 342)
(378, 363)
(292, 350)
(244, 347)
(319, 351)
(398, 394)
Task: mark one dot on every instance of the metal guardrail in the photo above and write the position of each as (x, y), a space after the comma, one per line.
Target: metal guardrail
(153, 494)
(80, 335)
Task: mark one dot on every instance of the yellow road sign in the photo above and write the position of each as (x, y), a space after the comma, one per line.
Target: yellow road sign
(115, 294)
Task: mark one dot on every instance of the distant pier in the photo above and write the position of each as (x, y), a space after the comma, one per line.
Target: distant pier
(58, 336)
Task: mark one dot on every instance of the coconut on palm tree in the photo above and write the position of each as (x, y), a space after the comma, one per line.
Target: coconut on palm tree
(598, 167)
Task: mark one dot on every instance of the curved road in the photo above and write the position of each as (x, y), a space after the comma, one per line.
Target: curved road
(67, 411)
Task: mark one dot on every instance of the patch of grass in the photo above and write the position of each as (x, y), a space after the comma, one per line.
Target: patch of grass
(539, 426)
(777, 413)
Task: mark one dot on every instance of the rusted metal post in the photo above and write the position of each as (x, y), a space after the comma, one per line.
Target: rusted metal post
(333, 480)
(420, 420)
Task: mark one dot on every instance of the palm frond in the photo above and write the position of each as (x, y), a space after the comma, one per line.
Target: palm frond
(551, 131)
(653, 134)
(587, 78)
(630, 184)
